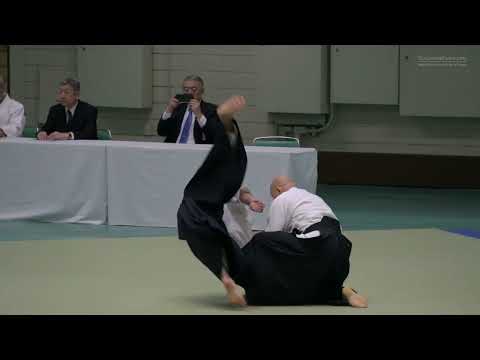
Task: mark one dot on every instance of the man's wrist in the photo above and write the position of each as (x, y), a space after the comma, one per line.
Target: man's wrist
(202, 120)
(166, 115)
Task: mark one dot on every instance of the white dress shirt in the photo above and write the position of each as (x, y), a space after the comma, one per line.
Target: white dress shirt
(202, 122)
(12, 117)
(297, 209)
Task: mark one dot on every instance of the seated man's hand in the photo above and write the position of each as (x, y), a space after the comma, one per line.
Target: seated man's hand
(58, 136)
(195, 107)
(172, 104)
(42, 135)
(256, 205)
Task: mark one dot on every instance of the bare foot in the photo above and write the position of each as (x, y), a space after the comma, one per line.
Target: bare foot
(229, 107)
(354, 299)
(234, 293)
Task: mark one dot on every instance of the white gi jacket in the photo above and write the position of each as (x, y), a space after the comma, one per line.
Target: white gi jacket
(238, 220)
(12, 117)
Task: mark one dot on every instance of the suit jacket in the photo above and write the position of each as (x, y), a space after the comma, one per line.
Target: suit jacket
(83, 124)
(171, 126)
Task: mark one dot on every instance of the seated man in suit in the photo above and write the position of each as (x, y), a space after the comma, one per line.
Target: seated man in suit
(12, 117)
(188, 123)
(71, 119)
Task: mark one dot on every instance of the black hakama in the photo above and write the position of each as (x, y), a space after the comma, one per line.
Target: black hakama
(200, 214)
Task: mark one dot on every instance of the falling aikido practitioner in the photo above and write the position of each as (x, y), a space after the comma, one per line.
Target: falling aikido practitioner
(305, 265)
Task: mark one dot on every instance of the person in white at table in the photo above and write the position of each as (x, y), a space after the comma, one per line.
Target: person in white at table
(12, 114)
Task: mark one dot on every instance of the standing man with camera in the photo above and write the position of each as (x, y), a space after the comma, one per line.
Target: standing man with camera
(187, 118)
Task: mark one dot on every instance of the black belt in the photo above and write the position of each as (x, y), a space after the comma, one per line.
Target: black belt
(326, 224)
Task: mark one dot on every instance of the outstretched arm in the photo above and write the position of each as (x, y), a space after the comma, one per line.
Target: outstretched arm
(247, 198)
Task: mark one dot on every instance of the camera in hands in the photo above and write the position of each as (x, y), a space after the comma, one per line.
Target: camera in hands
(184, 98)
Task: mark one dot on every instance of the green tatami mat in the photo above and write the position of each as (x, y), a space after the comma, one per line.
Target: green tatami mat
(421, 271)
(380, 207)
(33, 230)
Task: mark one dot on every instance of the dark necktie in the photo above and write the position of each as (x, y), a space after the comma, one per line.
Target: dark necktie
(69, 116)
(186, 129)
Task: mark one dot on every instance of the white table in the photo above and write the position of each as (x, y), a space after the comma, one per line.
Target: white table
(63, 181)
(146, 180)
(124, 183)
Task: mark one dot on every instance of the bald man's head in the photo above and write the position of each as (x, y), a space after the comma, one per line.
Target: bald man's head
(280, 184)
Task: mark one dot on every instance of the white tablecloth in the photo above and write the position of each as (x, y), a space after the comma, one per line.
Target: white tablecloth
(146, 180)
(63, 181)
(128, 183)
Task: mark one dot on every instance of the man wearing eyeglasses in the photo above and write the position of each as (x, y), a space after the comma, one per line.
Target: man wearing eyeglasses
(186, 119)
(71, 118)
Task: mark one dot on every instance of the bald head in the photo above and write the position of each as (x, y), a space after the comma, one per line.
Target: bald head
(280, 184)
